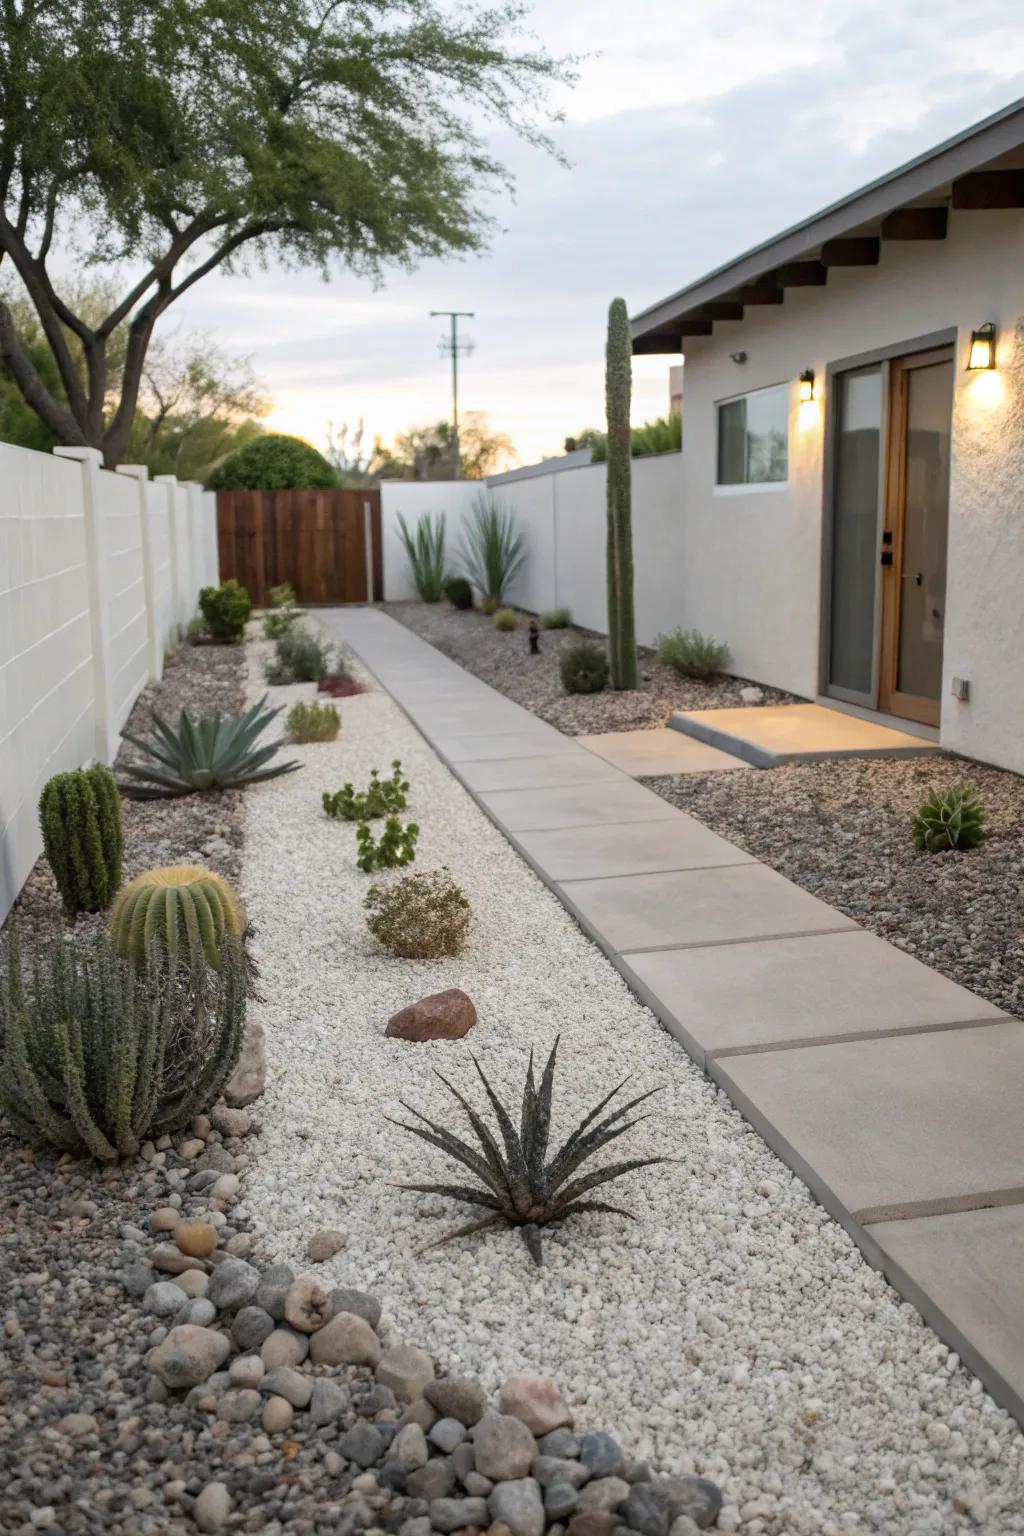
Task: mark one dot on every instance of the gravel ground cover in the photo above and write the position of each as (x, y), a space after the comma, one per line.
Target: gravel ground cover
(503, 661)
(733, 1330)
(842, 831)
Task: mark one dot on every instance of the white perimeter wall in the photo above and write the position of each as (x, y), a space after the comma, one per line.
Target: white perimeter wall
(98, 571)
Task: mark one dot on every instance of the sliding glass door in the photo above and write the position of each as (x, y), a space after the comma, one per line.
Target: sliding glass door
(858, 398)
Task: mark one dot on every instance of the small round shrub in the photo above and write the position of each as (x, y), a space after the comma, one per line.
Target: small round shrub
(278, 621)
(225, 610)
(420, 917)
(197, 629)
(506, 619)
(300, 656)
(556, 618)
(313, 722)
(274, 462)
(489, 605)
(948, 819)
(282, 596)
(692, 654)
(458, 592)
(584, 669)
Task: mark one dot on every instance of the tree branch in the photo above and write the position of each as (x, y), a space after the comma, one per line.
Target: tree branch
(56, 416)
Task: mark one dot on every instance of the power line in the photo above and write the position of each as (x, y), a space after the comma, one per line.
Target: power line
(452, 347)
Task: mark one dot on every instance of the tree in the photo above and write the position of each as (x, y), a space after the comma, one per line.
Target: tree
(176, 137)
(428, 453)
(274, 463)
(345, 454)
(618, 383)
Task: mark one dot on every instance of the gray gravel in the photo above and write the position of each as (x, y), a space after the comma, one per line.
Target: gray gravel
(842, 831)
(503, 661)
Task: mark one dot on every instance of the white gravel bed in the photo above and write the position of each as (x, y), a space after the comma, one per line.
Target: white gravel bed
(732, 1330)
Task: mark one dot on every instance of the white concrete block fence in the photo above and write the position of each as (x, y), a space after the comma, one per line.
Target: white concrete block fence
(99, 572)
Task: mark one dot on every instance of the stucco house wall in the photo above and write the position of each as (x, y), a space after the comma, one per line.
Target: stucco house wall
(751, 565)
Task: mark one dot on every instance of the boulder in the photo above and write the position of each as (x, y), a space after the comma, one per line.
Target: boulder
(440, 1016)
(537, 1401)
(249, 1079)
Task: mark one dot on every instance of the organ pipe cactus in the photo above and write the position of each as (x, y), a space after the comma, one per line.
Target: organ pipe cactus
(179, 915)
(950, 818)
(619, 556)
(80, 818)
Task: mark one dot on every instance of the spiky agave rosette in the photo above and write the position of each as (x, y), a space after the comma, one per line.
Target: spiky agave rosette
(219, 752)
(949, 819)
(521, 1189)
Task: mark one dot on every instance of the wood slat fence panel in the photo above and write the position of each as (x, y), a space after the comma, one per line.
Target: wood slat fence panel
(317, 540)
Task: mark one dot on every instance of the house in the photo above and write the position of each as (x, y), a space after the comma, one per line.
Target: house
(850, 496)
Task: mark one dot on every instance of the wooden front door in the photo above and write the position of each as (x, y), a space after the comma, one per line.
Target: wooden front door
(915, 535)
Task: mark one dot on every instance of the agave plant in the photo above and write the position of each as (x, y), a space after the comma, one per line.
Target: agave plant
(493, 548)
(950, 818)
(425, 548)
(215, 753)
(521, 1188)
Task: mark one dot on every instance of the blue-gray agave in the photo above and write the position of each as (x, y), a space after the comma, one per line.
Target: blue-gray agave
(216, 753)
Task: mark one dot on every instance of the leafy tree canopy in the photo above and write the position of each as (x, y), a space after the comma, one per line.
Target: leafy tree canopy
(274, 463)
(179, 136)
(428, 453)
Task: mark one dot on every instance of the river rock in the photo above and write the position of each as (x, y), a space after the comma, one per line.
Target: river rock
(188, 1356)
(453, 1514)
(345, 1340)
(440, 1016)
(249, 1079)
(537, 1401)
(457, 1397)
(504, 1447)
(307, 1305)
(519, 1505)
(697, 1497)
(284, 1347)
(324, 1245)
(345, 1299)
(232, 1284)
(647, 1509)
(406, 1370)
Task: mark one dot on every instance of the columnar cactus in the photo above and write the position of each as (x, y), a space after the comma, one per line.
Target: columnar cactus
(950, 818)
(179, 914)
(618, 379)
(80, 818)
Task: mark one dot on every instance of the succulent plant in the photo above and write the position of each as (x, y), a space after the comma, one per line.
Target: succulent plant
(313, 722)
(216, 753)
(506, 619)
(692, 654)
(458, 592)
(382, 797)
(584, 668)
(395, 846)
(950, 818)
(179, 915)
(80, 817)
(522, 1188)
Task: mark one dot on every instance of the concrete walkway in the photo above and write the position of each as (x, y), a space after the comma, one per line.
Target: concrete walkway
(769, 734)
(894, 1093)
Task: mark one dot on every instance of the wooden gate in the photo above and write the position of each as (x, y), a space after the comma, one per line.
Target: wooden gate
(326, 543)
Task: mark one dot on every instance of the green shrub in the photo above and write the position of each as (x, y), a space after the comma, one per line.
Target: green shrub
(278, 621)
(556, 618)
(300, 656)
(382, 797)
(396, 846)
(506, 619)
(274, 462)
(458, 592)
(282, 596)
(196, 629)
(489, 605)
(95, 1058)
(950, 818)
(692, 654)
(663, 435)
(80, 819)
(201, 755)
(425, 549)
(421, 917)
(492, 548)
(584, 669)
(313, 722)
(226, 609)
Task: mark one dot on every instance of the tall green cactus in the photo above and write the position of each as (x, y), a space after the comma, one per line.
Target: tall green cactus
(618, 379)
(80, 817)
(94, 1058)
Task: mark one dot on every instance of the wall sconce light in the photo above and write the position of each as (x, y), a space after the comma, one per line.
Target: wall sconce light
(738, 357)
(983, 347)
(807, 386)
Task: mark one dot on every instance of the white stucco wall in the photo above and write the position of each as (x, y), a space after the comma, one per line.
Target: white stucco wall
(751, 567)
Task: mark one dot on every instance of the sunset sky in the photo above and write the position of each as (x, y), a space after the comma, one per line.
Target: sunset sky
(698, 128)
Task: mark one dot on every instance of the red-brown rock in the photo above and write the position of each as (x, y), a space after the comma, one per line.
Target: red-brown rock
(441, 1016)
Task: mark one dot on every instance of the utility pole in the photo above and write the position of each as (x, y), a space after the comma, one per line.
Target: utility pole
(452, 347)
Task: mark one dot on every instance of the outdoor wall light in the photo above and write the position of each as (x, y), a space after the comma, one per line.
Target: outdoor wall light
(807, 386)
(983, 347)
(738, 357)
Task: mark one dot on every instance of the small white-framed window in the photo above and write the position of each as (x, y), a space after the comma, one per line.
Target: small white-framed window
(753, 438)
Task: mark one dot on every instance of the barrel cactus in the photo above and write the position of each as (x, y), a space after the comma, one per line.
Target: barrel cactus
(80, 817)
(179, 914)
(950, 818)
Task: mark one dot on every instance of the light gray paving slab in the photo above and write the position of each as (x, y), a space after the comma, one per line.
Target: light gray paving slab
(649, 754)
(520, 810)
(634, 848)
(698, 906)
(797, 989)
(539, 772)
(963, 1270)
(543, 741)
(889, 1122)
(451, 718)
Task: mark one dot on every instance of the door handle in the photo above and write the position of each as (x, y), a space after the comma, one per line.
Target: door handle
(918, 578)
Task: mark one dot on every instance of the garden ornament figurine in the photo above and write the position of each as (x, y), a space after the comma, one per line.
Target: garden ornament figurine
(534, 638)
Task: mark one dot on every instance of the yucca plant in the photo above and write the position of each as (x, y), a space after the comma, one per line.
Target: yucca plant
(80, 818)
(950, 818)
(521, 1188)
(425, 549)
(95, 1058)
(492, 550)
(202, 755)
(180, 913)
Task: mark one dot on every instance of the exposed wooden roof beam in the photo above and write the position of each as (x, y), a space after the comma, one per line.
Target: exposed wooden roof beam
(989, 189)
(915, 224)
(851, 251)
(666, 341)
(801, 274)
(696, 328)
(723, 309)
(764, 291)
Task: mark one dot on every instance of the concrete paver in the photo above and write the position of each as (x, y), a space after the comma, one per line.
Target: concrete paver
(769, 734)
(520, 810)
(650, 754)
(539, 772)
(635, 848)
